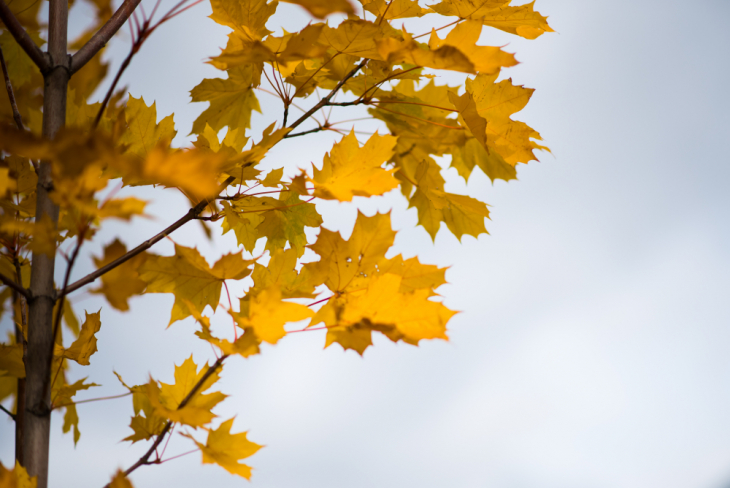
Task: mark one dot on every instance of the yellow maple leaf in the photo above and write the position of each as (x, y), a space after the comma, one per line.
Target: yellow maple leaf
(122, 282)
(267, 314)
(11, 361)
(350, 170)
(485, 59)
(166, 399)
(467, 9)
(521, 20)
(248, 17)
(394, 9)
(143, 132)
(496, 102)
(16, 478)
(231, 100)
(383, 307)
(322, 8)
(188, 276)
(227, 450)
(85, 345)
(120, 480)
(342, 263)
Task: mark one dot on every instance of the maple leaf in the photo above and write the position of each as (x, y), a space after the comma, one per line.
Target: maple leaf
(342, 263)
(285, 221)
(395, 9)
(496, 102)
(17, 477)
(188, 276)
(350, 170)
(248, 17)
(227, 450)
(383, 307)
(122, 282)
(62, 395)
(521, 20)
(267, 314)
(11, 361)
(461, 214)
(144, 426)
(322, 8)
(280, 272)
(246, 345)
(472, 154)
(120, 480)
(166, 399)
(143, 132)
(231, 100)
(85, 345)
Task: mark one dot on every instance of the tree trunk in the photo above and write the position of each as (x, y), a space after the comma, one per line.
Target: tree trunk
(40, 318)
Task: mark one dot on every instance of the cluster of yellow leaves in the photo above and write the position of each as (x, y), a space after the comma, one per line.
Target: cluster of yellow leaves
(375, 64)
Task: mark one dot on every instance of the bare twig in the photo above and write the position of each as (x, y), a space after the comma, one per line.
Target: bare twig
(103, 35)
(12, 284)
(329, 96)
(12, 415)
(145, 459)
(92, 400)
(22, 38)
(192, 213)
(11, 94)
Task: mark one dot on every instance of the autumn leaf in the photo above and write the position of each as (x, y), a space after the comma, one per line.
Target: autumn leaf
(16, 478)
(122, 282)
(322, 8)
(120, 480)
(166, 399)
(188, 276)
(343, 262)
(350, 170)
(267, 314)
(11, 361)
(382, 307)
(143, 132)
(248, 17)
(521, 20)
(231, 100)
(85, 345)
(227, 450)
(145, 422)
(62, 396)
(394, 9)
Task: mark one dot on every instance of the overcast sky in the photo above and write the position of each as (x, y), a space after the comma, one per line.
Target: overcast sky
(592, 347)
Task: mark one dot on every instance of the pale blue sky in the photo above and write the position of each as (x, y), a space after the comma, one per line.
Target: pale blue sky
(592, 351)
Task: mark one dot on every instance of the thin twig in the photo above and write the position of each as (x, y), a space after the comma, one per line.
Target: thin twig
(192, 213)
(329, 96)
(103, 35)
(92, 400)
(22, 38)
(12, 284)
(11, 94)
(12, 415)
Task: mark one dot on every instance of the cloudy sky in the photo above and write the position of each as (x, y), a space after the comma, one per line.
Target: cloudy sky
(592, 347)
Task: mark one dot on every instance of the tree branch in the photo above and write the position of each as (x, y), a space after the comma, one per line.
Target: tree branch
(12, 284)
(22, 38)
(11, 95)
(145, 459)
(12, 415)
(192, 213)
(325, 100)
(102, 36)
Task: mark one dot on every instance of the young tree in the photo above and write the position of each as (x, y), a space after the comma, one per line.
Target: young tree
(64, 160)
